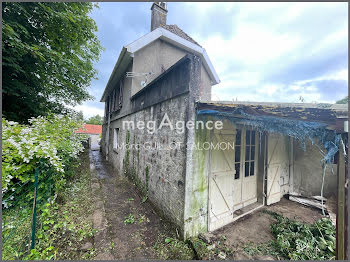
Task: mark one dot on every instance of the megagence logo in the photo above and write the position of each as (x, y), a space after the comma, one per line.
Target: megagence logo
(179, 126)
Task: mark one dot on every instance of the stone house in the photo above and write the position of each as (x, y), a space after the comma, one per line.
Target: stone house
(165, 73)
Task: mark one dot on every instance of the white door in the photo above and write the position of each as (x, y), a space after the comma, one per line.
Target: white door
(221, 180)
(233, 177)
(245, 181)
(277, 166)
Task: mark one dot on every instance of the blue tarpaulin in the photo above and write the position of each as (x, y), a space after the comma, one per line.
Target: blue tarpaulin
(298, 129)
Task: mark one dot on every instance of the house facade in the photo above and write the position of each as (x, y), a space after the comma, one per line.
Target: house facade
(170, 72)
(166, 75)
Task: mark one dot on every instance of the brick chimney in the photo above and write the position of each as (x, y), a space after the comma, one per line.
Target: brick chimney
(159, 13)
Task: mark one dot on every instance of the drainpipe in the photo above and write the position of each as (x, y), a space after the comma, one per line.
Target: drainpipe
(107, 134)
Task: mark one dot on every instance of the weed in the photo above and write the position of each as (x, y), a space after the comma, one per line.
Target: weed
(142, 219)
(130, 219)
(144, 199)
(131, 199)
(172, 249)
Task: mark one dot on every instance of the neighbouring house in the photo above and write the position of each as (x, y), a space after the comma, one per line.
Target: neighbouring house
(277, 148)
(93, 131)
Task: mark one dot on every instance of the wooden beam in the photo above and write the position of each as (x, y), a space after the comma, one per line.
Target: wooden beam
(341, 208)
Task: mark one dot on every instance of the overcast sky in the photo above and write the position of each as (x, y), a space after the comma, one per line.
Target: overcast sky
(261, 51)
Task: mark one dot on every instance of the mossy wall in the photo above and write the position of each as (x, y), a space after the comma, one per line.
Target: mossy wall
(196, 208)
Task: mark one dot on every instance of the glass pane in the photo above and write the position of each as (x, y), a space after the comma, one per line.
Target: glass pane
(252, 168)
(253, 138)
(246, 169)
(238, 137)
(252, 154)
(237, 153)
(247, 137)
(237, 168)
(247, 150)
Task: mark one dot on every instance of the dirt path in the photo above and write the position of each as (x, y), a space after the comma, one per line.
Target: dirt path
(127, 227)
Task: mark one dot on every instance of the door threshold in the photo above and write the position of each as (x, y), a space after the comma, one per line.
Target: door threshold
(246, 210)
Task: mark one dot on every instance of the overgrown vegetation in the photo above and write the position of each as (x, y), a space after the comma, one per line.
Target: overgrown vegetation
(299, 241)
(63, 229)
(49, 143)
(171, 248)
(216, 250)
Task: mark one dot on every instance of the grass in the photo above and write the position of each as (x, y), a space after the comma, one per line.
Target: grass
(63, 225)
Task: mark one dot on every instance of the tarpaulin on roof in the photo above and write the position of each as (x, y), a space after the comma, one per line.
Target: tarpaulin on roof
(298, 129)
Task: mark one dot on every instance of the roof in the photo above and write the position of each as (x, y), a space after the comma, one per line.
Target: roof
(328, 114)
(90, 129)
(178, 31)
(320, 125)
(128, 51)
(340, 109)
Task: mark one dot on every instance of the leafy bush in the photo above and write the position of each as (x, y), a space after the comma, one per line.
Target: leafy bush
(48, 142)
(50, 145)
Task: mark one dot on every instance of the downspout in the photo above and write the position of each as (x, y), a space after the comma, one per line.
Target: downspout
(107, 134)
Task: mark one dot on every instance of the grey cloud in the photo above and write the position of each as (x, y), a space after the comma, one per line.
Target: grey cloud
(121, 23)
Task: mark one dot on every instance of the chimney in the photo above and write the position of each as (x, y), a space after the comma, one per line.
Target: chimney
(159, 12)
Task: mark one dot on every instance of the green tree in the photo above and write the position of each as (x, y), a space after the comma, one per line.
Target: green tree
(48, 54)
(343, 101)
(95, 120)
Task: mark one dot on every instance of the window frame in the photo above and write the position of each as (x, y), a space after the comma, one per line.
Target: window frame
(115, 139)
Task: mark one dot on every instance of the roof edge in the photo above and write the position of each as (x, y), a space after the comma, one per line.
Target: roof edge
(177, 41)
(120, 58)
(170, 37)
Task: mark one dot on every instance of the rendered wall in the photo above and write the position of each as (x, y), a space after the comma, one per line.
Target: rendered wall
(159, 56)
(308, 171)
(196, 205)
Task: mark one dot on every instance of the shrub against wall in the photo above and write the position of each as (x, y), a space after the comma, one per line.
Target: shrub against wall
(47, 142)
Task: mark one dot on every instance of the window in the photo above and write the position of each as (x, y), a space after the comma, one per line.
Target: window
(120, 99)
(117, 97)
(107, 107)
(115, 138)
(249, 163)
(113, 102)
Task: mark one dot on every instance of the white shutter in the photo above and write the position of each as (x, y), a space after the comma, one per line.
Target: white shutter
(277, 166)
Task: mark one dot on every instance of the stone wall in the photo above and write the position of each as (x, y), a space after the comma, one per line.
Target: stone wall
(159, 171)
(156, 169)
